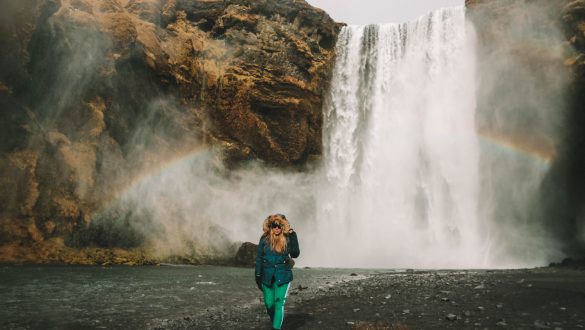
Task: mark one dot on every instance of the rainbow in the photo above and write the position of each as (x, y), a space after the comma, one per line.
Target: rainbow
(542, 151)
(539, 149)
(152, 172)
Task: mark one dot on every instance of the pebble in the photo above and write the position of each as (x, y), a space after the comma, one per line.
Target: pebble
(405, 311)
(501, 323)
(350, 323)
(480, 308)
(388, 296)
(356, 310)
(467, 313)
(540, 325)
(451, 317)
(499, 306)
(479, 287)
(444, 299)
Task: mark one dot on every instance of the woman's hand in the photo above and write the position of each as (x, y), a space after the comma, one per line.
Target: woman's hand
(290, 231)
(259, 281)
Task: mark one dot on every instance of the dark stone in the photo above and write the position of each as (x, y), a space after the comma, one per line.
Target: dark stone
(246, 255)
(570, 263)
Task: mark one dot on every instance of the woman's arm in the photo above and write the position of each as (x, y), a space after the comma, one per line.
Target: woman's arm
(294, 245)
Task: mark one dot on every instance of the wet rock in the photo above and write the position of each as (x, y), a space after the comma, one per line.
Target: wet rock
(246, 254)
(570, 262)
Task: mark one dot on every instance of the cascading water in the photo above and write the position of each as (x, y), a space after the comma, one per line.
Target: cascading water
(401, 151)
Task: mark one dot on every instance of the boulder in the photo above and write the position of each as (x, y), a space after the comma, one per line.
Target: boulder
(246, 255)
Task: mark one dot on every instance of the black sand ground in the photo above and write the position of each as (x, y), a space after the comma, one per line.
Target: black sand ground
(546, 298)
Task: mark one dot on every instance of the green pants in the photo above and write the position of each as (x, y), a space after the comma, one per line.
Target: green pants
(274, 298)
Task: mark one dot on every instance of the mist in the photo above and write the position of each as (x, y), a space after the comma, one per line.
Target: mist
(522, 109)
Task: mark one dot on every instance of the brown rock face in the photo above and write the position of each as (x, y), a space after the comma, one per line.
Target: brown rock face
(93, 93)
(531, 64)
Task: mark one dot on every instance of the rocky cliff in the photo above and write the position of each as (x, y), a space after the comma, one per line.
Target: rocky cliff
(531, 56)
(94, 93)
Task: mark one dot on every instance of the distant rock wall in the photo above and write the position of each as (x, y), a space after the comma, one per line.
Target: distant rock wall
(95, 92)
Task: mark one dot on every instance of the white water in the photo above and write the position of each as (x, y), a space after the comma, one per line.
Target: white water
(401, 152)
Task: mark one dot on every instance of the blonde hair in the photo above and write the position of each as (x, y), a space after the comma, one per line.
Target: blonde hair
(277, 242)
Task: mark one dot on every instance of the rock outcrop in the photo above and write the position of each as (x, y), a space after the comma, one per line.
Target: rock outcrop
(94, 93)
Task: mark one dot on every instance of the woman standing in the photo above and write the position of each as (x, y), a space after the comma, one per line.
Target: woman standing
(277, 246)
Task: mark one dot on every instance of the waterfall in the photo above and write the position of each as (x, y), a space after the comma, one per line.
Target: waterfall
(408, 176)
(401, 150)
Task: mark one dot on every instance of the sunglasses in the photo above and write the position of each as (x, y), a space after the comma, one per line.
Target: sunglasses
(275, 225)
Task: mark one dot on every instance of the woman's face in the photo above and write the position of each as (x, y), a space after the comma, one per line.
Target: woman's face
(276, 229)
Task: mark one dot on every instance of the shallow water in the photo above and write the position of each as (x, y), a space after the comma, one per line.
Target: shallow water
(93, 297)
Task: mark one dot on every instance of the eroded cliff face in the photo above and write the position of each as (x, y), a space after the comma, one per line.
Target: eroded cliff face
(94, 93)
(531, 69)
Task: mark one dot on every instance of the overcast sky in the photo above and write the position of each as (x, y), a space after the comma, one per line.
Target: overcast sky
(380, 11)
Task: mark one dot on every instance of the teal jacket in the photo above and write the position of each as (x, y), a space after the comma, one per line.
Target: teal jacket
(272, 266)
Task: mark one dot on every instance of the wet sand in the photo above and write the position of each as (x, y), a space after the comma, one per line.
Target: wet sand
(544, 298)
